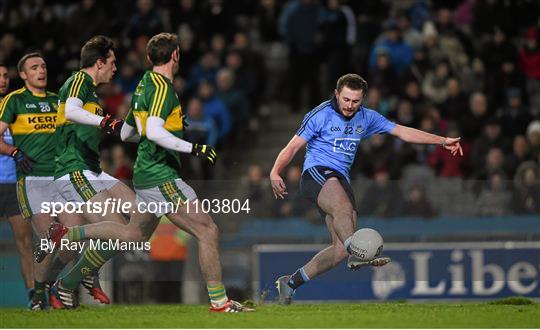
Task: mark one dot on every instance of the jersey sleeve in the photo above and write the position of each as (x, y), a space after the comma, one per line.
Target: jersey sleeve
(8, 110)
(377, 123)
(311, 125)
(130, 118)
(79, 87)
(160, 98)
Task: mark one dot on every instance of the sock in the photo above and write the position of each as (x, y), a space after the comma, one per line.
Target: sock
(298, 278)
(30, 293)
(347, 244)
(39, 291)
(90, 262)
(75, 233)
(217, 295)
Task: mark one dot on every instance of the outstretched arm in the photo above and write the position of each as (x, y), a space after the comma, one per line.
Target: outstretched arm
(413, 135)
(282, 160)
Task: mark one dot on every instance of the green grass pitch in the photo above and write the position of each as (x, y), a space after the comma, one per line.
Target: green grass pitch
(361, 315)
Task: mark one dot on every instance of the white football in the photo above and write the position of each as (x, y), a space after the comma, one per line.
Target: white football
(366, 244)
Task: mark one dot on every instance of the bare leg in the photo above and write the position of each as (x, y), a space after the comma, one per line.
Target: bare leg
(334, 201)
(327, 258)
(22, 229)
(205, 230)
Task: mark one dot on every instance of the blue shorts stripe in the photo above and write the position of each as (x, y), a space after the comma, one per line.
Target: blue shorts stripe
(316, 176)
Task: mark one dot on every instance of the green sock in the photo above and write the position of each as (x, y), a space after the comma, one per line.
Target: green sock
(39, 293)
(217, 294)
(76, 233)
(90, 262)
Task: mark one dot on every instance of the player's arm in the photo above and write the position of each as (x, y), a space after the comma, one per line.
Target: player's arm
(77, 114)
(283, 159)
(155, 132)
(129, 132)
(24, 163)
(413, 135)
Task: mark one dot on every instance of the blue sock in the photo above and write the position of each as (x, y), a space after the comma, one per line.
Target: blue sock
(298, 278)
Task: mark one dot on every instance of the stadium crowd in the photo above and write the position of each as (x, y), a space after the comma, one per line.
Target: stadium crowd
(460, 68)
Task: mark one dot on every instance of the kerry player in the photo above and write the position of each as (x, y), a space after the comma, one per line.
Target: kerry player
(30, 113)
(157, 114)
(332, 132)
(78, 176)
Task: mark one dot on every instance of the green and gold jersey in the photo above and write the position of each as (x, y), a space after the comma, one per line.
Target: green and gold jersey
(155, 96)
(32, 122)
(77, 146)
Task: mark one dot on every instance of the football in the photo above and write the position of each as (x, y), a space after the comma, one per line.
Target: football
(366, 244)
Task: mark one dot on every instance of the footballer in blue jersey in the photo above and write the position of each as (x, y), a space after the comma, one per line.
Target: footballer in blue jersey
(332, 133)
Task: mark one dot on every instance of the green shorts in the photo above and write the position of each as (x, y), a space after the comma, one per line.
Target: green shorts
(165, 198)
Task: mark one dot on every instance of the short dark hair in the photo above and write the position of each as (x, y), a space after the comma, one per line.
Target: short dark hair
(97, 48)
(22, 61)
(161, 46)
(353, 81)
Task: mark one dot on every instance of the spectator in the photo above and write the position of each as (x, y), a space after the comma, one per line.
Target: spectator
(400, 53)
(234, 100)
(497, 50)
(474, 120)
(529, 54)
(146, 21)
(533, 137)
(294, 204)
(86, 21)
(214, 108)
(447, 165)
(514, 116)
(491, 138)
(205, 70)
(452, 107)
(382, 76)
(267, 14)
(494, 200)
(526, 198)
(416, 203)
(299, 26)
(122, 167)
(200, 128)
(382, 198)
(435, 84)
(256, 188)
(520, 154)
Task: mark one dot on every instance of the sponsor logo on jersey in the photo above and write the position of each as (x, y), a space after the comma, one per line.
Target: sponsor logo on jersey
(335, 129)
(359, 129)
(30, 106)
(346, 146)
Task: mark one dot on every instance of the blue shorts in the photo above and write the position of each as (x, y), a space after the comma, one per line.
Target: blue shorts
(314, 178)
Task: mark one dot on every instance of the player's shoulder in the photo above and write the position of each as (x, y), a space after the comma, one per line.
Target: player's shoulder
(11, 97)
(51, 94)
(322, 110)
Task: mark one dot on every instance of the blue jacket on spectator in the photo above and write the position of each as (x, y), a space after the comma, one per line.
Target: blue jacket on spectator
(401, 54)
(202, 130)
(216, 109)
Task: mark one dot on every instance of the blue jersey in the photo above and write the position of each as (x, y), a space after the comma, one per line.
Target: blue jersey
(333, 139)
(7, 164)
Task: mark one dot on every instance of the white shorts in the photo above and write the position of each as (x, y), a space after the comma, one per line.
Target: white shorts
(81, 186)
(32, 191)
(165, 198)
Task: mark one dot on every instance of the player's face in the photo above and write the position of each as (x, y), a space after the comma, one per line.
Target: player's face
(349, 100)
(107, 69)
(4, 80)
(34, 73)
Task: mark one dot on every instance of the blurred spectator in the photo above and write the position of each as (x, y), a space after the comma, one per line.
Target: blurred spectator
(447, 165)
(382, 76)
(491, 138)
(529, 54)
(419, 66)
(214, 108)
(204, 70)
(416, 203)
(533, 137)
(294, 204)
(411, 36)
(383, 197)
(475, 118)
(217, 18)
(267, 14)
(299, 27)
(514, 116)
(456, 102)
(145, 21)
(256, 189)
(86, 21)
(520, 154)
(526, 197)
(494, 200)
(185, 15)
(234, 99)
(497, 50)
(435, 85)
(122, 167)
(400, 53)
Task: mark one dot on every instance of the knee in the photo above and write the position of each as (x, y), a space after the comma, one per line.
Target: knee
(339, 252)
(209, 231)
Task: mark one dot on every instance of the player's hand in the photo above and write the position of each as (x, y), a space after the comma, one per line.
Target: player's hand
(111, 125)
(278, 185)
(453, 145)
(25, 164)
(204, 151)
